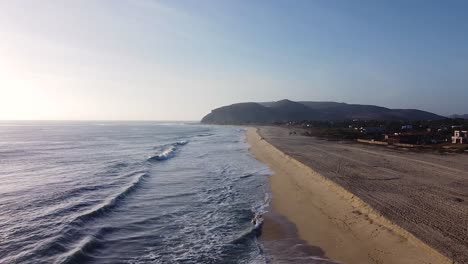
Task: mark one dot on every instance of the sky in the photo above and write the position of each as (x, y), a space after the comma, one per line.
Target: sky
(177, 60)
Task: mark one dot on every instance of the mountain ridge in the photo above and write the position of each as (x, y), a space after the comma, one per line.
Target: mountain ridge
(286, 110)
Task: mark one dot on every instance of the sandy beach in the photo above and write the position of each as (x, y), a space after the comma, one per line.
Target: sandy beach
(365, 204)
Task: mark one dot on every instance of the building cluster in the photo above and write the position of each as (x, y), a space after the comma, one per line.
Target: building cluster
(423, 132)
(408, 135)
(460, 137)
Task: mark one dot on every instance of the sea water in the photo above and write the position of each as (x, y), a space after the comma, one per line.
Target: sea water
(134, 192)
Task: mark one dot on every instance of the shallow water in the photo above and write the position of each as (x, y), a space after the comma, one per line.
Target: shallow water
(108, 192)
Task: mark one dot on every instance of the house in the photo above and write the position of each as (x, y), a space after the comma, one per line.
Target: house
(415, 138)
(407, 127)
(372, 130)
(460, 137)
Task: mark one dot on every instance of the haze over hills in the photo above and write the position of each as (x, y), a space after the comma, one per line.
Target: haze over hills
(287, 110)
(465, 116)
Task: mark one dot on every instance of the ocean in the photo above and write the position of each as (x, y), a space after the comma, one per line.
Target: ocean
(128, 192)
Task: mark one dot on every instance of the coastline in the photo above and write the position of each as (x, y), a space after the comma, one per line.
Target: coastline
(329, 217)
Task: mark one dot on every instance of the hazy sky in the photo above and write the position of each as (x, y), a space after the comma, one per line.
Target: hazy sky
(176, 60)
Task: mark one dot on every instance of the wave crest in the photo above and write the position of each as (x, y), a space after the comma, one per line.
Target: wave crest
(112, 202)
(168, 151)
(181, 143)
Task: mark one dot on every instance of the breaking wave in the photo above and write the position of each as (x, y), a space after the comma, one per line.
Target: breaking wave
(181, 143)
(168, 151)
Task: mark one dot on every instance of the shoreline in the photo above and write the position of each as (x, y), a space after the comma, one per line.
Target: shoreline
(331, 218)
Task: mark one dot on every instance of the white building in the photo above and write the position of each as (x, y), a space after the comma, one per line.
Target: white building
(460, 137)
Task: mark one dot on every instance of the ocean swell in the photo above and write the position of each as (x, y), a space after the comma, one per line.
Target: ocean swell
(112, 202)
(70, 231)
(80, 253)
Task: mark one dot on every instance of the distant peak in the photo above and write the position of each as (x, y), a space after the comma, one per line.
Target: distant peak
(285, 101)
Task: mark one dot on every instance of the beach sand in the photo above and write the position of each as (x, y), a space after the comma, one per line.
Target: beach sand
(328, 216)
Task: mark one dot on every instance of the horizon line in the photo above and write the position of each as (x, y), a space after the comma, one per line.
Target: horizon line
(93, 120)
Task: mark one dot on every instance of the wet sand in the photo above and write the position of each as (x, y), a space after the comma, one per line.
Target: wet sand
(350, 221)
(282, 244)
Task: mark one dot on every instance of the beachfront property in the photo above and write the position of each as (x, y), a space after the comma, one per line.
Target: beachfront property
(416, 138)
(460, 137)
(372, 130)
